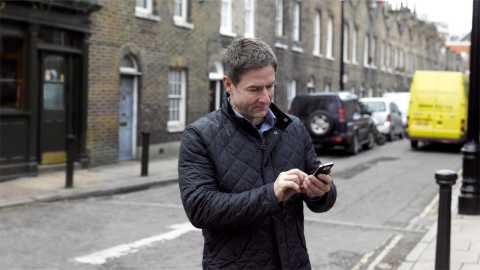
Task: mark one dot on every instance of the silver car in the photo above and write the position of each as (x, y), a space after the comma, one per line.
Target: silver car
(386, 115)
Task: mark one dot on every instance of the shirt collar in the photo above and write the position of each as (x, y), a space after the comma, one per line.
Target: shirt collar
(267, 123)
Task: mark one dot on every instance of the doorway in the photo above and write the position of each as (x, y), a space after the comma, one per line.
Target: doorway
(53, 108)
(61, 104)
(127, 108)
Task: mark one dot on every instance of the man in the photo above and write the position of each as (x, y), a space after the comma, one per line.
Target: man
(243, 171)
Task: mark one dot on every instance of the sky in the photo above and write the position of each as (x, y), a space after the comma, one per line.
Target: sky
(457, 14)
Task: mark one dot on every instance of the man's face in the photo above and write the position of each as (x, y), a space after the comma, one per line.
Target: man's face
(252, 95)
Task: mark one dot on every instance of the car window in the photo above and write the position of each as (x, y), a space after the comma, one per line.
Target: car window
(375, 106)
(304, 105)
(349, 108)
(394, 108)
(357, 107)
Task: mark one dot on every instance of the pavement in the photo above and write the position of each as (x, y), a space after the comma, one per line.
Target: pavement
(106, 180)
(125, 177)
(464, 242)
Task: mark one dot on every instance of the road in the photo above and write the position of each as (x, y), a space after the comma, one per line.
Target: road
(383, 209)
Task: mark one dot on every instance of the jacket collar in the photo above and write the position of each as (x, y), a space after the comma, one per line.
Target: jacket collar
(283, 120)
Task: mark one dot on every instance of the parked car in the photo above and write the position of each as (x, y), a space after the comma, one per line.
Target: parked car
(402, 99)
(388, 117)
(335, 119)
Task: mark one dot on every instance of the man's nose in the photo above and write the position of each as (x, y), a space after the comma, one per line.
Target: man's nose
(265, 94)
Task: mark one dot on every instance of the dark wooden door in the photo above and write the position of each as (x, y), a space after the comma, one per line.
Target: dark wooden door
(53, 108)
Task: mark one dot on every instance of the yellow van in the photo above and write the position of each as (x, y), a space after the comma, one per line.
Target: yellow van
(438, 108)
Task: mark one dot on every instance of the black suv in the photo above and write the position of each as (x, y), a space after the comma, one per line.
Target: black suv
(335, 119)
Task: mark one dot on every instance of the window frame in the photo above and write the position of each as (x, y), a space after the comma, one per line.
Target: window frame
(296, 21)
(249, 18)
(330, 36)
(366, 55)
(183, 19)
(147, 9)
(146, 12)
(279, 21)
(354, 45)
(345, 49)
(317, 34)
(177, 125)
(226, 19)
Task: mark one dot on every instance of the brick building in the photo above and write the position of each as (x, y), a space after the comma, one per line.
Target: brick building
(155, 65)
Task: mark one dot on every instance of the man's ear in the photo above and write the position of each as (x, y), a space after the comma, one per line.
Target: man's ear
(227, 83)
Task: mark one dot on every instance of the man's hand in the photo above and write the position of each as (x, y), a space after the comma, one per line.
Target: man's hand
(288, 183)
(316, 186)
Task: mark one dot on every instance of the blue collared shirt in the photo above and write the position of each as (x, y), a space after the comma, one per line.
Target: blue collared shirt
(267, 123)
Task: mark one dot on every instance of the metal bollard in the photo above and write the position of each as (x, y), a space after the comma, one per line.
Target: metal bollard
(70, 160)
(145, 152)
(445, 179)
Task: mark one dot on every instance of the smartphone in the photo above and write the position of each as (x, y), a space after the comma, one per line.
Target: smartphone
(324, 168)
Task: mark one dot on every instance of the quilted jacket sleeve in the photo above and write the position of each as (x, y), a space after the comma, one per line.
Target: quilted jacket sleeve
(205, 205)
(327, 201)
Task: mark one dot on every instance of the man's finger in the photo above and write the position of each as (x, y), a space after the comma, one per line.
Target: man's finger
(297, 172)
(291, 185)
(292, 178)
(319, 184)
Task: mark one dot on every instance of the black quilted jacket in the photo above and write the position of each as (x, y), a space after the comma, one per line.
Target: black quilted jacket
(226, 175)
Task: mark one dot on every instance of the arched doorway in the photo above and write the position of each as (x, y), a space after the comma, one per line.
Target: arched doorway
(127, 108)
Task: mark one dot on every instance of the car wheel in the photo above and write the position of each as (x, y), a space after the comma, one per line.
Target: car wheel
(371, 141)
(354, 147)
(319, 123)
(414, 144)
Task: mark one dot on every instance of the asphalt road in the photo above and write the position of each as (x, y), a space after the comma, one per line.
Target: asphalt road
(381, 213)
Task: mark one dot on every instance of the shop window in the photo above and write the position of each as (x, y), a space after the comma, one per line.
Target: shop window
(12, 85)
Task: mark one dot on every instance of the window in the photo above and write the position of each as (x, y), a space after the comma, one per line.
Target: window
(296, 21)
(177, 85)
(311, 85)
(373, 52)
(291, 92)
(317, 34)
(279, 18)
(346, 30)
(354, 45)
(330, 38)
(383, 59)
(12, 93)
(182, 15)
(400, 60)
(390, 57)
(366, 55)
(385, 56)
(144, 7)
(328, 87)
(226, 18)
(249, 18)
(395, 58)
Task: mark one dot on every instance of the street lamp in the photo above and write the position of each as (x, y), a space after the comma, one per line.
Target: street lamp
(469, 199)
